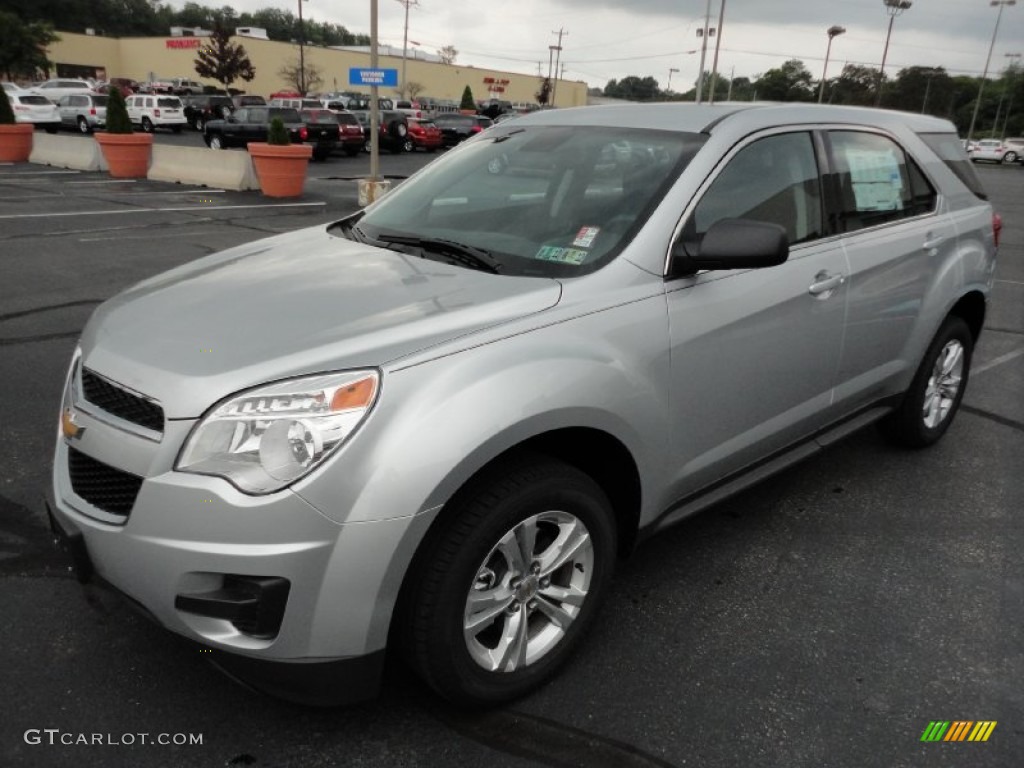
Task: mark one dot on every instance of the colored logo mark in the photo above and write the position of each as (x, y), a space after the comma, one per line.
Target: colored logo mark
(958, 730)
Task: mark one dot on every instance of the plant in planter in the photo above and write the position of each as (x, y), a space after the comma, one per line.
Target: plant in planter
(280, 165)
(15, 137)
(126, 152)
(467, 106)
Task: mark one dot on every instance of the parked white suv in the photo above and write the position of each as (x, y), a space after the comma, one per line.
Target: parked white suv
(61, 86)
(435, 425)
(151, 111)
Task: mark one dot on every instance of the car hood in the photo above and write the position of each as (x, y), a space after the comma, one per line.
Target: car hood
(293, 304)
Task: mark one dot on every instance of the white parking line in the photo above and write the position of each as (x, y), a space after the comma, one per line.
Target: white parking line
(998, 361)
(106, 181)
(43, 173)
(177, 235)
(160, 210)
(1011, 282)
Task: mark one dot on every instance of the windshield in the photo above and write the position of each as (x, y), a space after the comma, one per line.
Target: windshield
(551, 201)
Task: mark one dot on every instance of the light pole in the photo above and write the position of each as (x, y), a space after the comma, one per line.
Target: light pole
(894, 8)
(984, 75)
(302, 51)
(927, 87)
(703, 51)
(405, 39)
(668, 88)
(1009, 105)
(714, 60)
(834, 31)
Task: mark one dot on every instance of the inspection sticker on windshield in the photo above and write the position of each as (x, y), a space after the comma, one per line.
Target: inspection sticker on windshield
(563, 255)
(585, 237)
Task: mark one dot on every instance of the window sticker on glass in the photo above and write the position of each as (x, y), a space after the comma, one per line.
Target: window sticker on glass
(585, 237)
(561, 255)
(876, 179)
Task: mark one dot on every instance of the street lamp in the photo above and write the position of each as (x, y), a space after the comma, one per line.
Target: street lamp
(834, 31)
(984, 75)
(668, 88)
(894, 8)
(302, 51)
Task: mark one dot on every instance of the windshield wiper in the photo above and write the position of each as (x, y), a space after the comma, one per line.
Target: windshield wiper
(464, 254)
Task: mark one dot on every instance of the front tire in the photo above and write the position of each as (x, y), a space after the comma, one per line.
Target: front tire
(407, 145)
(147, 125)
(934, 396)
(216, 142)
(510, 581)
(83, 126)
(1010, 157)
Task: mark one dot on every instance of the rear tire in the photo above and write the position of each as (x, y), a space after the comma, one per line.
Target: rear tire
(934, 396)
(408, 146)
(509, 581)
(215, 142)
(147, 125)
(83, 125)
(1010, 157)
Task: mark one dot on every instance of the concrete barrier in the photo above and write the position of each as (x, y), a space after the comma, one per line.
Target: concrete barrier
(78, 152)
(227, 169)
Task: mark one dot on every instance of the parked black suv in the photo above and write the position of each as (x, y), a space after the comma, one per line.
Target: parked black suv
(253, 124)
(201, 109)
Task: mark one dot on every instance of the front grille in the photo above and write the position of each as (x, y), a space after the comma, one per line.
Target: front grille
(106, 488)
(120, 402)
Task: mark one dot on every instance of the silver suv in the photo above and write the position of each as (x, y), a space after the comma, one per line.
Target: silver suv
(435, 425)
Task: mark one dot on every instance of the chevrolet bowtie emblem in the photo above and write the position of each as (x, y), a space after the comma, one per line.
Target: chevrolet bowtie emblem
(68, 426)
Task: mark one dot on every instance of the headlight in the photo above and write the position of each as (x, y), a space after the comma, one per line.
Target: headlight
(266, 438)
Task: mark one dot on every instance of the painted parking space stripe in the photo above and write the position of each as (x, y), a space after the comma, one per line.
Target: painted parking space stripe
(1013, 355)
(161, 210)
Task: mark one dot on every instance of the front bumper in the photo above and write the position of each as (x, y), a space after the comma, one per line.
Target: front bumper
(190, 536)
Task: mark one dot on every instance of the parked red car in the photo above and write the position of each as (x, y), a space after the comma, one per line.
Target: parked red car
(423, 134)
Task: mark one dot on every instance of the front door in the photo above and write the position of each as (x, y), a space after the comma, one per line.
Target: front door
(754, 352)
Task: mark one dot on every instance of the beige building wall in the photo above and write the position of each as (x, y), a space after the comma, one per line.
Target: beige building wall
(140, 58)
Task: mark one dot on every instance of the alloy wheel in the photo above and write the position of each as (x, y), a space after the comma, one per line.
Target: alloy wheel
(528, 591)
(943, 384)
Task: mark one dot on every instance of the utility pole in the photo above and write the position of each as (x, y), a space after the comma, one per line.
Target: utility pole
(668, 88)
(558, 55)
(703, 51)
(405, 39)
(988, 60)
(302, 51)
(718, 42)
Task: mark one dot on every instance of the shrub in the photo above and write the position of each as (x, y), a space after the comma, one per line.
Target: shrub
(6, 113)
(278, 134)
(467, 99)
(117, 113)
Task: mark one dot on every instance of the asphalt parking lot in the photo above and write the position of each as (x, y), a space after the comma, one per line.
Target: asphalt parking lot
(823, 618)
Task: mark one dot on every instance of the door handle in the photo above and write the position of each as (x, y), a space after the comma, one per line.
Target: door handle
(932, 241)
(824, 284)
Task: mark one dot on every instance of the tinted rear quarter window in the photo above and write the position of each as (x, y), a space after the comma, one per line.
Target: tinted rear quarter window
(949, 149)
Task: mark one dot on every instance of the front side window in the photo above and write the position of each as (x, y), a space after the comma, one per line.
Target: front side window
(551, 201)
(877, 182)
(773, 179)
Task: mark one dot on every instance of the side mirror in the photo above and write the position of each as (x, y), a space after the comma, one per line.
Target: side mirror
(732, 244)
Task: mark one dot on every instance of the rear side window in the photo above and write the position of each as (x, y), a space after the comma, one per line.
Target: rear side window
(34, 100)
(286, 115)
(949, 149)
(168, 103)
(877, 182)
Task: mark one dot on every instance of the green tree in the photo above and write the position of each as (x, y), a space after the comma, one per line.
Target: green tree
(790, 82)
(855, 85)
(633, 88)
(117, 113)
(921, 89)
(23, 50)
(467, 99)
(224, 61)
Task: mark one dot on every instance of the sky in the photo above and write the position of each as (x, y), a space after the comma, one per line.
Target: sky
(607, 40)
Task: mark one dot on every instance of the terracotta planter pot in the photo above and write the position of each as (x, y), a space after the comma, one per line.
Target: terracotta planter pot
(15, 142)
(281, 169)
(127, 154)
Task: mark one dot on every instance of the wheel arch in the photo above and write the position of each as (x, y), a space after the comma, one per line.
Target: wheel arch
(971, 308)
(597, 453)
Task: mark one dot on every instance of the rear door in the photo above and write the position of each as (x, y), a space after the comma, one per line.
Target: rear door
(754, 352)
(894, 235)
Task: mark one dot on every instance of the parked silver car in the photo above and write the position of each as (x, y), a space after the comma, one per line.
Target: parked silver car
(435, 425)
(84, 111)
